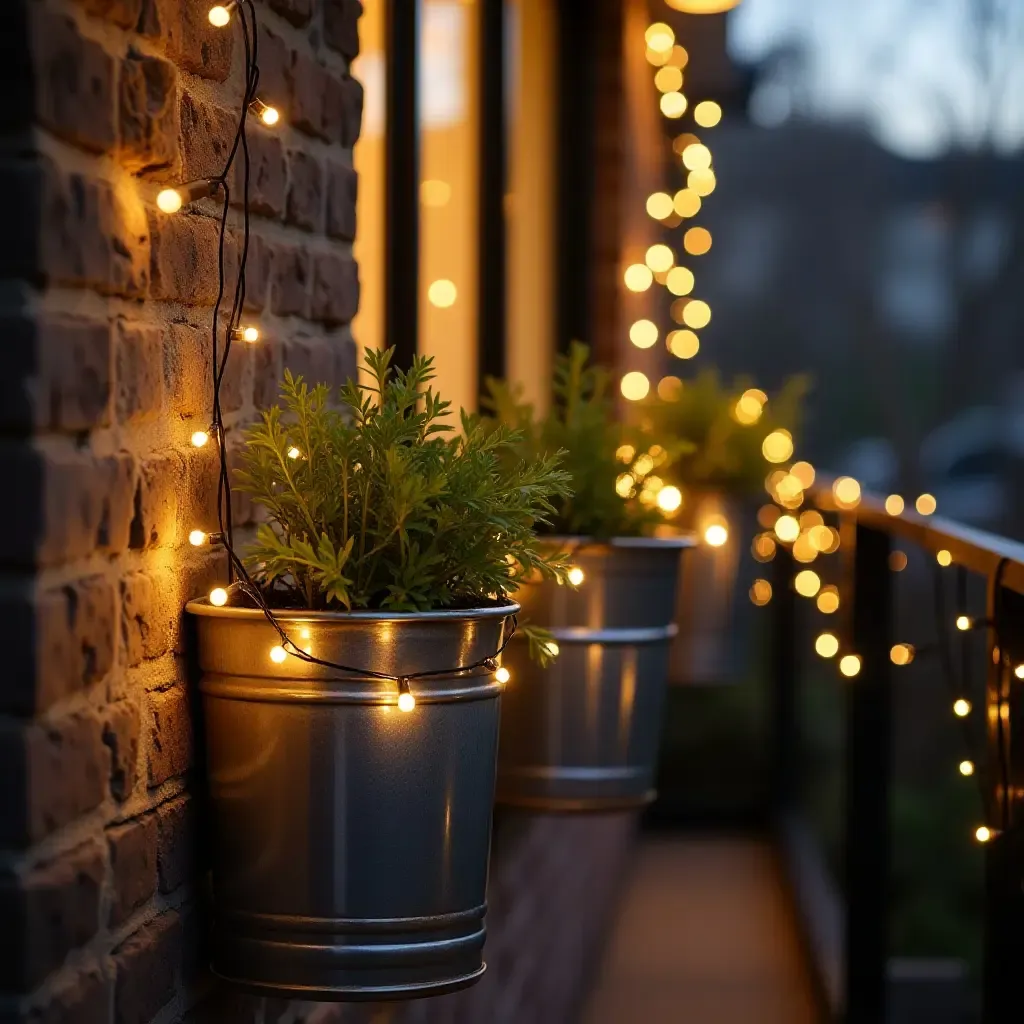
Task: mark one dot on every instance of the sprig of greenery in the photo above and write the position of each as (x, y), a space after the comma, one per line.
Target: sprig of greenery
(376, 503)
(726, 453)
(583, 425)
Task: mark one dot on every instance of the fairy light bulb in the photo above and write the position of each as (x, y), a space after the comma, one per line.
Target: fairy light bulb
(961, 708)
(553, 649)
(503, 675)
(850, 665)
(983, 834)
(218, 597)
(1019, 671)
(265, 112)
(966, 768)
(249, 334)
(199, 438)
(826, 645)
(293, 452)
(220, 15)
(406, 701)
(197, 538)
(171, 200)
(278, 654)
(576, 575)
(963, 623)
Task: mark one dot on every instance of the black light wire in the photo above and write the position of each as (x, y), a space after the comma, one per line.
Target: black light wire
(236, 567)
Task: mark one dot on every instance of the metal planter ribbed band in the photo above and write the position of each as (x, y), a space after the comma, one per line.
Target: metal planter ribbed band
(582, 734)
(350, 840)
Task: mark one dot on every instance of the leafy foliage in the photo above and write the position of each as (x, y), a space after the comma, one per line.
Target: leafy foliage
(582, 424)
(726, 454)
(376, 503)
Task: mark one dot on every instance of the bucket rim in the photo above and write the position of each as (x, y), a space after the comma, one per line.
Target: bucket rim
(679, 542)
(202, 608)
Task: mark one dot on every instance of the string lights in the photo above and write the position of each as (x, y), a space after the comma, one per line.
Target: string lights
(226, 329)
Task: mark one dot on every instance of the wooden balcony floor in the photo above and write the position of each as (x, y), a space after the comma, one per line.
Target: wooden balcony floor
(705, 935)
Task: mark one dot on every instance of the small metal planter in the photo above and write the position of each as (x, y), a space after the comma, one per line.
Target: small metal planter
(582, 734)
(350, 840)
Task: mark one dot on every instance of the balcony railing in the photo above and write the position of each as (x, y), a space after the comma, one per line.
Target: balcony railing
(848, 935)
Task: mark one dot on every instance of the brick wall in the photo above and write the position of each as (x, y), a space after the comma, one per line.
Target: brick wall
(105, 308)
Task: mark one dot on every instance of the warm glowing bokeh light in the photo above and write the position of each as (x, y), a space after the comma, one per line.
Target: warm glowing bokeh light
(804, 472)
(902, 654)
(943, 557)
(624, 483)
(894, 505)
(926, 504)
(707, 113)
(696, 157)
(716, 532)
(625, 453)
(702, 182)
(983, 834)
(434, 192)
(659, 258)
(763, 547)
(660, 205)
(807, 583)
(898, 561)
(669, 388)
(697, 241)
(668, 79)
(966, 767)
(678, 58)
(826, 645)
(748, 408)
(442, 293)
(643, 333)
(828, 599)
(963, 623)
(697, 314)
(961, 708)
(670, 499)
(702, 6)
(683, 344)
(638, 277)
(679, 281)
(787, 528)
(849, 665)
(777, 446)
(278, 654)
(846, 491)
(576, 576)
(660, 37)
(686, 202)
(635, 386)
(760, 592)
(673, 104)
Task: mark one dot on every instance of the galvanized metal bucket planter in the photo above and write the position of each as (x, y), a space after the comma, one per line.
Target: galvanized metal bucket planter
(582, 734)
(349, 839)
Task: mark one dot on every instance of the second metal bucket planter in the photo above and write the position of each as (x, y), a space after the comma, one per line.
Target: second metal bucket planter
(350, 840)
(582, 734)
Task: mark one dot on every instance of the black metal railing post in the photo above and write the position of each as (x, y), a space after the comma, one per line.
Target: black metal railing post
(868, 772)
(784, 686)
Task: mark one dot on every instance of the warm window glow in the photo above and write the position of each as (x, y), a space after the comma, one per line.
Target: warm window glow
(683, 344)
(926, 504)
(679, 281)
(697, 314)
(761, 592)
(707, 113)
(777, 446)
(787, 528)
(442, 293)
(668, 79)
(826, 645)
(673, 104)
(696, 157)
(701, 182)
(850, 665)
(670, 499)
(697, 241)
(638, 277)
(943, 557)
(686, 202)
(660, 37)
(659, 258)
(635, 386)
(894, 504)
(846, 491)
(828, 599)
(435, 192)
(902, 654)
(659, 205)
(807, 583)
(643, 334)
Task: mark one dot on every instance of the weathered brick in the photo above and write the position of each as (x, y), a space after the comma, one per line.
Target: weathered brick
(298, 12)
(202, 474)
(74, 80)
(341, 26)
(121, 735)
(266, 175)
(308, 84)
(74, 503)
(290, 273)
(312, 358)
(58, 373)
(53, 771)
(148, 113)
(133, 855)
(92, 236)
(184, 33)
(146, 965)
(170, 735)
(184, 258)
(149, 615)
(175, 842)
(206, 134)
(305, 191)
(267, 373)
(83, 997)
(342, 186)
(274, 60)
(89, 618)
(335, 289)
(124, 13)
(343, 110)
(158, 493)
(139, 361)
(257, 274)
(47, 913)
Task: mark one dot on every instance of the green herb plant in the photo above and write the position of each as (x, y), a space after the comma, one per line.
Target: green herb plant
(376, 502)
(726, 453)
(582, 424)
